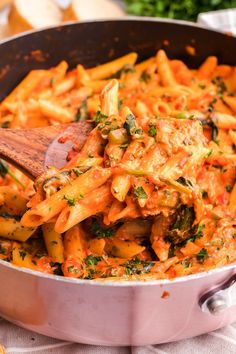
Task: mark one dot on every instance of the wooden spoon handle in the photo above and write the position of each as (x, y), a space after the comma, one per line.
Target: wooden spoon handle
(26, 149)
(33, 150)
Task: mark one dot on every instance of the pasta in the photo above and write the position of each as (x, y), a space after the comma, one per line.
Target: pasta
(150, 195)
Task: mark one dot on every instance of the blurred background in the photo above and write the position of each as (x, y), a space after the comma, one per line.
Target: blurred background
(22, 15)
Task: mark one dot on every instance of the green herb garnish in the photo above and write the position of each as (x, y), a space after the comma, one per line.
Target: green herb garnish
(145, 77)
(152, 131)
(92, 260)
(22, 254)
(4, 170)
(99, 117)
(202, 255)
(100, 231)
(82, 113)
(228, 188)
(70, 201)
(140, 193)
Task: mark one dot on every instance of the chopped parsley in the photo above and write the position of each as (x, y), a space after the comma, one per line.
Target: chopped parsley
(221, 87)
(198, 231)
(185, 182)
(140, 193)
(3, 250)
(145, 77)
(137, 266)
(54, 242)
(130, 125)
(92, 260)
(152, 131)
(228, 188)
(214, 133)
(22, 254)
(120, 103)
(77, 171)
(4, 170)
(82, 113)
(70, 201)
(5, 125)
(186, 263)
(128, 68)
(99, 117)
(72, 269)
(202, 255)
(100, 231)
(201, 86)
(181, 228)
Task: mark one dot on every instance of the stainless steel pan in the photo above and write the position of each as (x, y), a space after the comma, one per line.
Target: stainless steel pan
(114, 313)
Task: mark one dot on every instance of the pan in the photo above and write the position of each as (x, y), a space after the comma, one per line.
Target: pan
(119, 312)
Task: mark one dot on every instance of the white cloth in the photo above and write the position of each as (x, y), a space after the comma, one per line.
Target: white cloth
(18, 340)
(221, 20)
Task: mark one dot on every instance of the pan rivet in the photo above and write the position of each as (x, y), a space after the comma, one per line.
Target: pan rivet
(216, 304)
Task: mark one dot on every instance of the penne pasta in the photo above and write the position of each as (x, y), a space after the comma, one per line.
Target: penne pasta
(152, 192)
(106, 70)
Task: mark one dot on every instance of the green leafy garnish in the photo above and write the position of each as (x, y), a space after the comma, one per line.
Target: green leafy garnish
(99, 117)
(186, 263)
(130, 125)
(5, 125)
(221, 87)
(120, 103)
(92, 260)
(179, 9)
(128, 68)
(152, 131)
(140, 193)
(70, 201)
(4, 170)
(22, 254)
(72, 269)
(181, 227)
(100, 231)
(145, 77)
(185, 182)
(228, 188)
(137, 266)
(82, 113)
(202, 255)
(3, 250)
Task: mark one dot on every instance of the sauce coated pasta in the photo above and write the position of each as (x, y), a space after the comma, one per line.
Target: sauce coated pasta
(152, 192)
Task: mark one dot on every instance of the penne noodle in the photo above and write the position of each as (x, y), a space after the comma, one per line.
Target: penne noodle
(52, 206)
(55, 112)
(75, 243)
(207, 69)
(104, 71)
(164, 69)
(94, 203)
(109, 98)
(53, 242)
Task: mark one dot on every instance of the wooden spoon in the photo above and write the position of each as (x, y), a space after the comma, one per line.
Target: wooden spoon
(33, 150)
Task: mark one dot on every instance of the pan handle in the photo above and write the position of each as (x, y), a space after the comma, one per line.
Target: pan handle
(220, 298)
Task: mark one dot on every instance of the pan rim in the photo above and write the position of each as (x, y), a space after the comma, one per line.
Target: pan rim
(118, 283)
(122, 19)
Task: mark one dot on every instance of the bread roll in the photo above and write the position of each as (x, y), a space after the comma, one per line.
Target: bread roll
(29, 14)
(92, 9)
